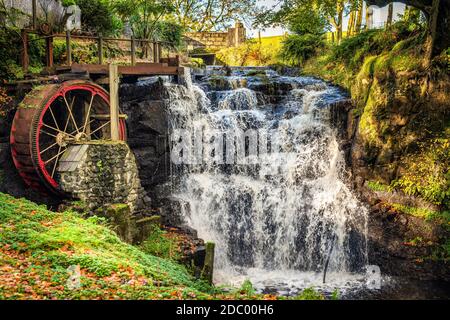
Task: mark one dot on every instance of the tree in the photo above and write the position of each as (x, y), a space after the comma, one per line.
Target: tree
(98, 16)
(359, 16)
(390, 14)
(369, 17)
(351, 23)
(207, 15)
(143, 15)
(331, 10)
(9, 16)
(437, 13)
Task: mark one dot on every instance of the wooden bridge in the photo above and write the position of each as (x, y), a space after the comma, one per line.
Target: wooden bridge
(158, 65)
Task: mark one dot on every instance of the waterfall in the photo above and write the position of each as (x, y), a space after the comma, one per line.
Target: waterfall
(275, 210)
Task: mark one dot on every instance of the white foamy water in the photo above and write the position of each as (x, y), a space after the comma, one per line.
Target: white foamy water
(275, 220)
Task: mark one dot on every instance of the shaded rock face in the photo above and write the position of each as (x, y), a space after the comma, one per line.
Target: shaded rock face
(11, 183)
(144, 105)
(381, 130)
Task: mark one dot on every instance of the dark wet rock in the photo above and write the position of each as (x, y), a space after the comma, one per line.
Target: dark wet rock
(173, 210)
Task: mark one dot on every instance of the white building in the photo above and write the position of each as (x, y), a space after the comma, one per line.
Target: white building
(379, 15)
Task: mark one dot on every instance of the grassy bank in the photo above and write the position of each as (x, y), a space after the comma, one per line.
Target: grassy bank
(400, 123)
(37, 246)
(39, 249)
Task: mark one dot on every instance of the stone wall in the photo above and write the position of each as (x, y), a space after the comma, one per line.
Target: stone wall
(101, 175)
(233, 37)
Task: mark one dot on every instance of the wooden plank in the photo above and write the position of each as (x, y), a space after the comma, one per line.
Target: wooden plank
(107, 116)
(49, 51)
(138, 70)
(148, 70)
(152, 64)
(91, 68)
(100, 49)
(80, 153)
(34, 13)
(133, 52)
(25, 57)
(114, 100)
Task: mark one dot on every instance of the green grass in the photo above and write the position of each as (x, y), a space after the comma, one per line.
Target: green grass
(51, 242)
(37, 246)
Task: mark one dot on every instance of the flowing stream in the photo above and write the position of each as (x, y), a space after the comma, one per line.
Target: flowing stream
(266, 181)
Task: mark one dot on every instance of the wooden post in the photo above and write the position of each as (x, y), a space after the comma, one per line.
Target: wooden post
(100, 49)
(87, 114)
(155, 52)
(114, 100)
(133, 52)
(34, 14)
(49, 51)
(208, 268)
(25, 57)
(159, 51)
(68, 48)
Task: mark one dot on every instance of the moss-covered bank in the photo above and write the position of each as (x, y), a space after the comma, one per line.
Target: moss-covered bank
(398, 131)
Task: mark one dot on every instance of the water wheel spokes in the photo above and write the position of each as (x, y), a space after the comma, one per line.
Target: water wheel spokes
(49, 120)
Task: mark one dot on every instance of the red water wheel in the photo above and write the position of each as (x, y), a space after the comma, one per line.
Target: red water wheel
(50, 119)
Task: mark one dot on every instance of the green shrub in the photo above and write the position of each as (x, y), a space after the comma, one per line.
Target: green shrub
(169, 32)
(353, 50)
(98, 17)
(428, 172)
(310, 294)
(158, 245)
(378, 186)
(298, 48)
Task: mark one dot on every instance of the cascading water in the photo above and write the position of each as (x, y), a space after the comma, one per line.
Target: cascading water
(281, 207)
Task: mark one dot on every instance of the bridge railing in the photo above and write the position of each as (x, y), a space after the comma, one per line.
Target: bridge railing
(153, 49)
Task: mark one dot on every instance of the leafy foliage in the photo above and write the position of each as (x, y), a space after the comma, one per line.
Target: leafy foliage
(143, 15)
(208, 15)
(5, 102)
(299, 48)
(428, 173)
(353, 50)
(311, 294)
(251, 53)
(169, 32)
(98, 17)
(159, 245)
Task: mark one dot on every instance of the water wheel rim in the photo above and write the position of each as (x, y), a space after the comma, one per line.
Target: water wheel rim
(48, 178)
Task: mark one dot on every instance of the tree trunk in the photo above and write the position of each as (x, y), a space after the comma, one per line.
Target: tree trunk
(430, 42)
(368, 17)
(390, 13)
(351, 23)
(359, 17)
(340, 12)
